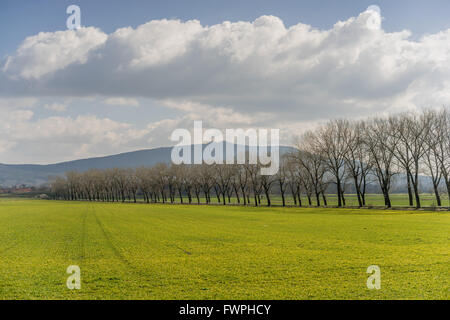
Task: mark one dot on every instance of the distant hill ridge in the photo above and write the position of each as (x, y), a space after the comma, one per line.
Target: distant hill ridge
(34, 174)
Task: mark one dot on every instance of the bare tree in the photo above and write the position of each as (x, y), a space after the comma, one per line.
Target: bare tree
(330, 144)
(357, 158)
(293, 178)
(266, 184)
(195, 179)
(161, 177)
(254, 179)
(282, 177)
(410, 132)
(223, 174)
(432, 159)
(206, 180)
(379, 144)
(313, 165)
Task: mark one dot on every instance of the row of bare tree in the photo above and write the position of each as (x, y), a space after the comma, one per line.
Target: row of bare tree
(189, 183)
(331, 157)
(409, 144)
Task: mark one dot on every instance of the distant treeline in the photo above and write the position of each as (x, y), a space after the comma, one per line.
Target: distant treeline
(335, 155)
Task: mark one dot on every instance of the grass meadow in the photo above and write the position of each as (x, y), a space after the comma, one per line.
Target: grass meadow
(138, 251)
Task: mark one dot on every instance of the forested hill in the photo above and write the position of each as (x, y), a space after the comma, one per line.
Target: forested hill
(31, 174)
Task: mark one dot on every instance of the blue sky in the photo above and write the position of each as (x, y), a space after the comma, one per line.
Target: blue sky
(134, 73)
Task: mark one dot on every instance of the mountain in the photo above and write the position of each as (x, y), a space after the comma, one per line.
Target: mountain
(32, 174)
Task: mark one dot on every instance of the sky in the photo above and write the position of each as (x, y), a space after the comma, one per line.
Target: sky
(137, 70)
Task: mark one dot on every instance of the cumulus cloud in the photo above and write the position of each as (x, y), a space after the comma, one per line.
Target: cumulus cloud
(258, 66)
(241, 74)
(57, 107)
(120, 101)
(9, 103)
(152, 44)
(24, 139)
(48, 52)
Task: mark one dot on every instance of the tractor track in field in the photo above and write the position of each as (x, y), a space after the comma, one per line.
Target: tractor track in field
(181, 249)
(133, 268)
(83, 234)
(111, 245)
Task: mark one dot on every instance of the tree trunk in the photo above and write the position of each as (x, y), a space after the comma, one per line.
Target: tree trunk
(294, 196)
(416, 193)
(410, 195)
(244, 196)
(318, 199)
(236, 190)
(218, 197)
(267, 198)
(438, 196)
(416, 189)
(181, 196)
(387, 200)
(324, 199)
(343, 198)
(358, 192)
(363, 192)
(338, 185)
(447, 183)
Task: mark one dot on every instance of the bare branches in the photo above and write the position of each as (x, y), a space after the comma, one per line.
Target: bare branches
(339, 156)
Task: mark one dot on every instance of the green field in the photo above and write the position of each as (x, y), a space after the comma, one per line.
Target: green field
(138, 251)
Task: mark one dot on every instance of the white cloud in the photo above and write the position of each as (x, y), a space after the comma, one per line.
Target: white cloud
(120, 101)
(24, 139)
(57, 107)
(48, 52)
(153, 43)
(15, 103)
(217, 117)
(240, 74)
(248, 67)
